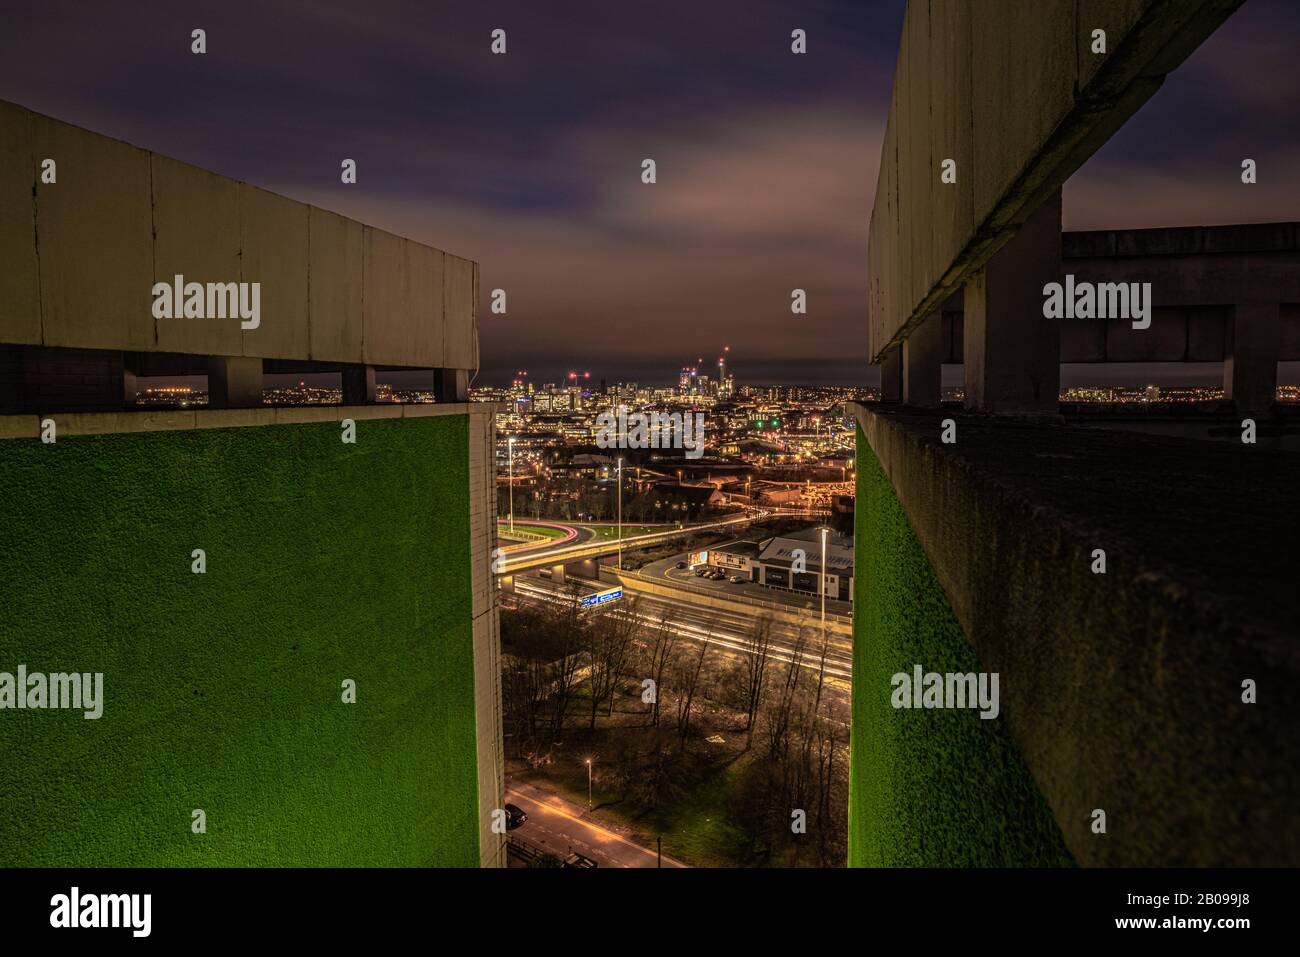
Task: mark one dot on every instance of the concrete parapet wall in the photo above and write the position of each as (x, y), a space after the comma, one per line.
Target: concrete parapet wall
(1123, 690)
(82, 254)
(928, 788)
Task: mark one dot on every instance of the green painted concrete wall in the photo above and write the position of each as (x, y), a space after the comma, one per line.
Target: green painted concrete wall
(940, 788)
(222, 691)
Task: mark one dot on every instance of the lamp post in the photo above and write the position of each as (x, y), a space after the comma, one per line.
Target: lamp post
(510, 478)
(589, 785)
(822, 589)
(620, 521)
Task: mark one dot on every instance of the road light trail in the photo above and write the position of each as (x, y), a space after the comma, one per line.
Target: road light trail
(713, 628)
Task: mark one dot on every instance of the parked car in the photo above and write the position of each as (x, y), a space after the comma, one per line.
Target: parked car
(737, 579)
(515, 816)
(702, 571)
(717, 576)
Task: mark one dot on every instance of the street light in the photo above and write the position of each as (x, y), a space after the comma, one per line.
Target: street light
(589, 785)
(620, 520)
(822, 589)
(510, 448)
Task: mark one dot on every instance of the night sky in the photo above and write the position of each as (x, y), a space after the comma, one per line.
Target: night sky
(530, 162)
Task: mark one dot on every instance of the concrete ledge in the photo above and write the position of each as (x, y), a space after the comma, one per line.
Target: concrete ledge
(104, 423)
(1123, 690)
(19, 426)
(1182, 240)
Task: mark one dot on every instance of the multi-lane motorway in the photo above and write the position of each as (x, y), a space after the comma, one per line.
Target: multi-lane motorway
(729, 630)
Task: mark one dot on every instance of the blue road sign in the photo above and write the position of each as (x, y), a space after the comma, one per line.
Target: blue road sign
(601, 597)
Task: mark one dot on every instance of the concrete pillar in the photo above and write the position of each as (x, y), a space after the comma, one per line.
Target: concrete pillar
(451, 385)
(1012, 354)
(1250, 367)
(891, 376)
(234, 382)
(922, 363)
(358, 385)
(129, 387)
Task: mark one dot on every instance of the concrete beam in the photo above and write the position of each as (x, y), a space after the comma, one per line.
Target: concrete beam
(891, 376)
(234, 382)
(1250, 368)
(451, 385)
(1012, 92)
(923, 353)
(358, 385)
(1011, 353)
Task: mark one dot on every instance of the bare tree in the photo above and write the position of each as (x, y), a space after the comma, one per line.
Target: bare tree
(779, 716)
(609, 644)
(569, 628)
(524, 688)
(661, 649)
(690, 679)
(754, 663)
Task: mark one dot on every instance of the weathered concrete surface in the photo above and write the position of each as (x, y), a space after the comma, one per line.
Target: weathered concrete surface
(460, 290)
(1198, 274)
(922, 363)
(20, 300)
(196, 235)
(95, 245)
(386, 289)
(1250, 369)
(891, 376)
(1193, 266)
(334, 286)
(488, 708)
(234, 382)
(1123, 690)
(1013, 93)
(274, 235)
(146, 420)
(81, 258)
(1012, 354)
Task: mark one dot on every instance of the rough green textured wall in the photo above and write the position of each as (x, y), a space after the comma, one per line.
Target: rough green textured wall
(926, 787)
(222, 691)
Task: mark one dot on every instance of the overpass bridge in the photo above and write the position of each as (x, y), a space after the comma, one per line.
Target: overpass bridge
(585, 555)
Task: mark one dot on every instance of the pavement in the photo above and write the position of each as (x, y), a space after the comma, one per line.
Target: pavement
(560, 826)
